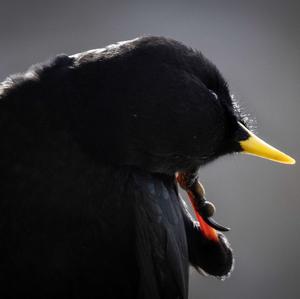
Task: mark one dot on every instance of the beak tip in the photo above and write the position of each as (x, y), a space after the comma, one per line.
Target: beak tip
(285, 160)
(292, 161)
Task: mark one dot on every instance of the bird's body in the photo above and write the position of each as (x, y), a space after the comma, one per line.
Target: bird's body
(87, 209)
(90, 143)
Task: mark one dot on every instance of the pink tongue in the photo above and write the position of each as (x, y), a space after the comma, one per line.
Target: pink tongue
(207, 230)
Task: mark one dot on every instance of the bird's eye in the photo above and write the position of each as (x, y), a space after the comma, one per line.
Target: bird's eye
(213, 93)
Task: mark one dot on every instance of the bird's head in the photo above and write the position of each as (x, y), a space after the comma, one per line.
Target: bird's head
(160, 106)
(177, 110)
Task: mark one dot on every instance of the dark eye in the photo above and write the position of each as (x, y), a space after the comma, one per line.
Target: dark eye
(213, 93)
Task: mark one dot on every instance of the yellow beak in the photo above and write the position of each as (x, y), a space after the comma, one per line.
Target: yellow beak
(257, 147)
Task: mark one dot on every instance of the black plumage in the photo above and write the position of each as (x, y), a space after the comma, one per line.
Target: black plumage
(90, 144)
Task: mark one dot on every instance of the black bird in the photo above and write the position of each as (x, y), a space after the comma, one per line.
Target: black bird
(91, 146)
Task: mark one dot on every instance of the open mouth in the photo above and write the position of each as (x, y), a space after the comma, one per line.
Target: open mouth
(203, 209)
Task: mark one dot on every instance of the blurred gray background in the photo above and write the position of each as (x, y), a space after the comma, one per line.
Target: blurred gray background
(256, 45)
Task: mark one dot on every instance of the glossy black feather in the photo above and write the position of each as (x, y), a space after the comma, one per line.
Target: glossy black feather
(161, 240)
(89, 147)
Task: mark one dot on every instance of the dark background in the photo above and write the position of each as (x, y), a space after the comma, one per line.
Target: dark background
(256, 46)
